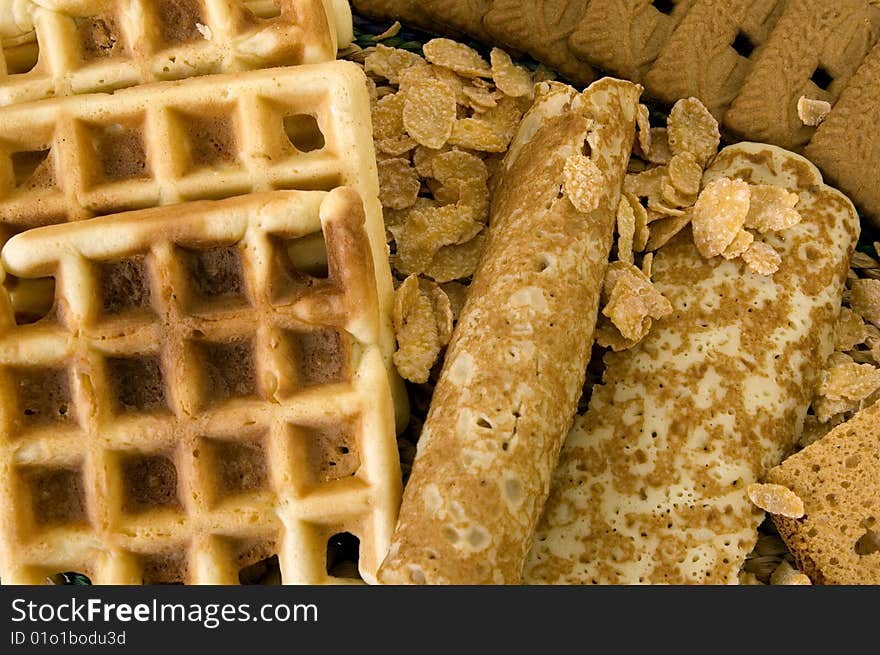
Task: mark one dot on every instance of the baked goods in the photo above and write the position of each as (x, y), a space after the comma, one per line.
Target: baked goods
(650, 486)
(837, 541)
(64, 47)
(450, 17)
(516, 363)
(208, 392)
(814, 50)
(709, 55)
(625, 36)
(541, 28)
(845, 144)
(303, 127)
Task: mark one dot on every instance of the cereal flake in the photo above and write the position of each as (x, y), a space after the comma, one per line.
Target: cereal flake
(583, 182)
(719, 214)
(459, 57)
(776, 499)
(812, 111)
(692, 128)
(762, 258)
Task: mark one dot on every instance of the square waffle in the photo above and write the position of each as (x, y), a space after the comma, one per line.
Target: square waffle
(303, 127)
(70, 47)
(207, 392)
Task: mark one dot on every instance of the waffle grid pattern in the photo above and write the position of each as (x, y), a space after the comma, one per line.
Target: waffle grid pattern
(122, 43)
(207, 138)
(166, 410)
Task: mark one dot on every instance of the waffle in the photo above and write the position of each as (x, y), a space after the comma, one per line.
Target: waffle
(69, 49)
(207, 392)
(303, 127)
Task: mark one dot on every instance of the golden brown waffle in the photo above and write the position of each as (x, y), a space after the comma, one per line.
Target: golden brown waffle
(66, 47)
(208, 391)
(303, 127)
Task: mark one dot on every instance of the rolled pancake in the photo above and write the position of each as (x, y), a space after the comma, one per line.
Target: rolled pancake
(515, 367)
(651, 481)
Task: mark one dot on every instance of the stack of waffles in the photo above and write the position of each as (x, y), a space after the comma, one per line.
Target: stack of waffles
(196, 382)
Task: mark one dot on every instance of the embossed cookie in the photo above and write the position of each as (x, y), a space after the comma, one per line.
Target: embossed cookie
(847, 146)
(406, 11)
(625, 36)
(711, 52)
(813, 51)
(452, 17)
(541, 28)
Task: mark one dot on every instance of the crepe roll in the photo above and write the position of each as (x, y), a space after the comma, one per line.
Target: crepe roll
(515, 366)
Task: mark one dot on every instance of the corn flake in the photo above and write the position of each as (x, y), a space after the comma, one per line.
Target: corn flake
(465, 178)
(442, 309)
(583, 182)
(663, 230)
(480, 100)
(786, 575)
(458, 261)
(648, 265)
(512, 80)
(719, 214)
(660, 152)
(741, 242)
(608, 336)
(849, 381)
(762, 258)
(849, 331)
(390, 62)
(626, 231)
(643, 123)
(771, 208)
(647, 184)
(685, 174)
(418, 341)
(398, 183)
(640, 216)
(388, 130)
(429, 112)
(865, 300)
(776, 499)
(457, 294)
(633, 303)
(692, 128)
(459, 57)
(477, 134)
(811, 111)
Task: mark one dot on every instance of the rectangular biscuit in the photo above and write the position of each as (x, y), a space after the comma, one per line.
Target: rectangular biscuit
(837, 541)
(814, 50)
(624, 37)
(650, 486)
(542, 29)
(847, 145)
(710, 53)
